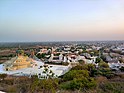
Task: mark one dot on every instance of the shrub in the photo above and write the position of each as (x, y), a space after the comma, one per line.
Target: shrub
(102, 64)
(79, 84)
(122, 69)
(113, 87)
(101, 79)
(11, 89)
(75, 74)
(3, 76)
(121, 76)
(49, 85)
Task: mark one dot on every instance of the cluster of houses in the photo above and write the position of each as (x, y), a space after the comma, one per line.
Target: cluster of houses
(71, 53)
(114, 63)
(66, 54)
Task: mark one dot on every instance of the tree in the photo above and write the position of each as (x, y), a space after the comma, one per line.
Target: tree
(122, 69)
(90, 67)
(96, 52)
(98, 60)
(79, 83)
(75, 74)
(48, 73)
(82, 62)
(103, 57)
(103, 64)
(3, 76)
(41, 55)
(49, 85)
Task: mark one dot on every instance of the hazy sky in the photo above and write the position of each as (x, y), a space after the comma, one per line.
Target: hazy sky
(61, 20)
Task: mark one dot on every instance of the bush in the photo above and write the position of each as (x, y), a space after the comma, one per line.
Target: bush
(78, 78)
(122, 69)
(79, 84)
(49, 85)
(113, 87)
(121, 76)
(102, 64)
(65, 63)
(11, 89)
(101, 79)
(75, 74)
(82, 62)
(88, 67)
(79, 67)
(3, 76)
(44, 85)
(98, 60)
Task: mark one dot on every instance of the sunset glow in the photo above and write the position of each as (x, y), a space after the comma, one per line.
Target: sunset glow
(61, 20)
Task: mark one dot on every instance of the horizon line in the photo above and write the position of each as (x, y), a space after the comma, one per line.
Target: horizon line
(60, 41)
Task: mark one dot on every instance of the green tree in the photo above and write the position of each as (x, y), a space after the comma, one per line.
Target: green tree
(90, 67)
(82, 62)
(98, 60)
(79, 84)
(103, 64)
(48, 73)
(75, 74)
(41, 55)
(49, 85)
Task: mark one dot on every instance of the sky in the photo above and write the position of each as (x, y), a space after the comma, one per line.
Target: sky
(61, 20)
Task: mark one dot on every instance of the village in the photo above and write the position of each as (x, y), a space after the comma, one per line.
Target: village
(60, 59)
